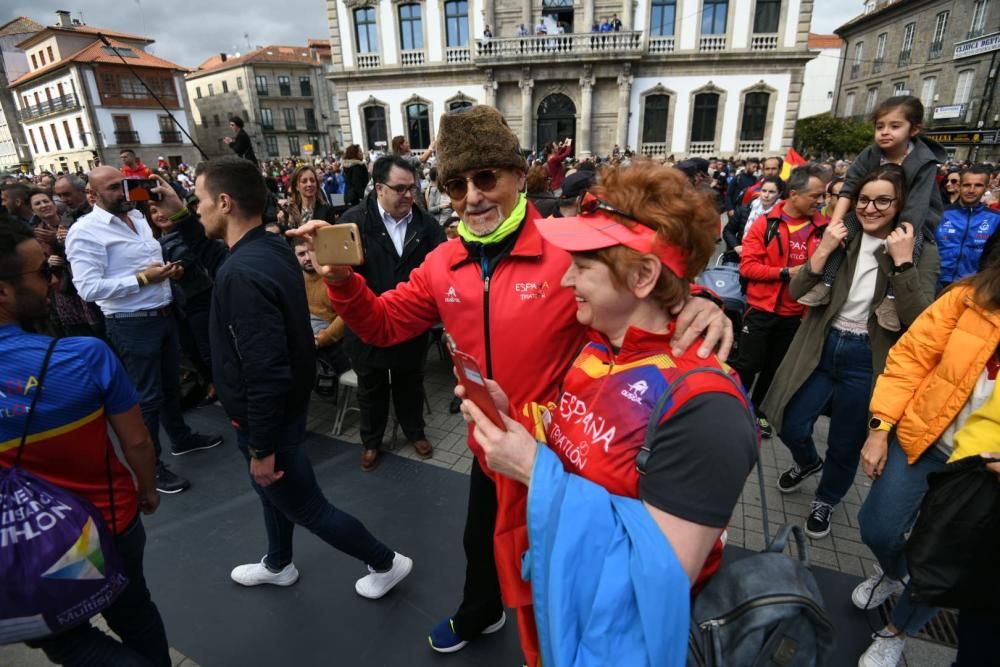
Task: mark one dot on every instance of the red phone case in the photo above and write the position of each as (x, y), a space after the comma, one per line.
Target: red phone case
(470, 377)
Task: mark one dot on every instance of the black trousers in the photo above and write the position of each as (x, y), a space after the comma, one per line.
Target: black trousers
(481, 602)
(406, 391)
(764, 340)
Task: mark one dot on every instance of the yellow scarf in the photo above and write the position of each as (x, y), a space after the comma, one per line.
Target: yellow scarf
(506, 228)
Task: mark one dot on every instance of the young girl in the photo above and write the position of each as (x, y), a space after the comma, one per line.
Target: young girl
(898, 122)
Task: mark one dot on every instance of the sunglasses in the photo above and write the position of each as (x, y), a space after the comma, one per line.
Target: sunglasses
(880, 203)
(484, 180)
(44, 269)
(591, 204)
(952, 181)
(401, 189)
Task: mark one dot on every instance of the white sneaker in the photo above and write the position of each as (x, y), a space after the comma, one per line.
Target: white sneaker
(875, 590)
(884, 651)
(376, 584)
(255, 574)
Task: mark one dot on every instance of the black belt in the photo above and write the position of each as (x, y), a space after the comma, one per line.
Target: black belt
(165, 311)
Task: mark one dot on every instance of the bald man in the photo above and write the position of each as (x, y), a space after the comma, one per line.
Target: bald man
(118, 265)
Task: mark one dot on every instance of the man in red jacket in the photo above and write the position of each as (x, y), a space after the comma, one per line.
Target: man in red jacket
(774, 249)
(132, 166)
(496, 289)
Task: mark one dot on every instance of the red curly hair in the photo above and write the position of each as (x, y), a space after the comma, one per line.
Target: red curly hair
(664, 200)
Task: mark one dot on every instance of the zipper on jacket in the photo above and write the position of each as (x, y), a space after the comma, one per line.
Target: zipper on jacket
(236, 345)
(487, 272)
(961, 247)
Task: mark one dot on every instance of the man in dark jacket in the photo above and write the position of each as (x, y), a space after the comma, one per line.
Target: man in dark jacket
(397, 235)
(240, 141)
(263, 362)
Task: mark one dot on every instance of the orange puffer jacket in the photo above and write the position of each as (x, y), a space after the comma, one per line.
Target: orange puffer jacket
(933, 368)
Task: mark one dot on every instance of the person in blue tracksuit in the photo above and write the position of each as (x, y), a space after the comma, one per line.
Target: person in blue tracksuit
(965, 227)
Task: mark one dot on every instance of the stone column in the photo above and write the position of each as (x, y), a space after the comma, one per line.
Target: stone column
(627, 21)
(527, 133)
(490, 17)
(588, 15)
(526, 16)
(491, 89)
(586, 109)
(624, 95)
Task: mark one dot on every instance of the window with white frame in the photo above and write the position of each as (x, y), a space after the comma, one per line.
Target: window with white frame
(927, 91)
(365, 30)
(456, 17)
(979, 18)
(713, 17)
(940, 26)
(871, 100)
(907, 45)
(963, 86)
(880, 47)
(654, 119)
(898, 88)
(375, 125)
(754, 116)
(705, 117)
(767, 15)
(418, 125)
(859, 52)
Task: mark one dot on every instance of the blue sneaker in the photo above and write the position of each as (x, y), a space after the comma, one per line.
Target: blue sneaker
(444, 640)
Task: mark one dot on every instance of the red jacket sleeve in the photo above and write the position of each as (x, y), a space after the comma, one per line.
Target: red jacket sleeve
(753, 261)
(395, 316)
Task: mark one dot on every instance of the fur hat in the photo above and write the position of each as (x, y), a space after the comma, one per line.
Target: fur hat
(477, 138)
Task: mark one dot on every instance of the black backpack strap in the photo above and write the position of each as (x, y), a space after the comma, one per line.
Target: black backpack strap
(34, 401)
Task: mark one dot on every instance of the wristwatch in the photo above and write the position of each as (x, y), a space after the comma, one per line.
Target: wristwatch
(877, 424)
(785, 273)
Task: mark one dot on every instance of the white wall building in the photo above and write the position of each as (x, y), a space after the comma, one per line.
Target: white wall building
(821, 75)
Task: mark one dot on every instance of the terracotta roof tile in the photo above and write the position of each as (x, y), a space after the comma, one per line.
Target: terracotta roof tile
(296, 55)
(96, 52)
(824, 41)
(82, 30)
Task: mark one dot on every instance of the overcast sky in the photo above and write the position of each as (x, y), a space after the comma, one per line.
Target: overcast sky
(187, 32)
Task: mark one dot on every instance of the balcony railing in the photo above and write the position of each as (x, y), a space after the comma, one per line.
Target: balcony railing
(935, 51)
(855, 70)
(877, 65)
(454, 55)
(126, 137)
(513, 48)
(750, 148)
(413, 58)
(763, 42)
(170, 137)
(904, 58)
(661, 45)
(369, 61)
(311, 126)
(654, 149)
(58, 105)
(701, 148)
(712, 43)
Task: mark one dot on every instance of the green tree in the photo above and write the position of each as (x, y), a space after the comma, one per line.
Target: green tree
(825, 135)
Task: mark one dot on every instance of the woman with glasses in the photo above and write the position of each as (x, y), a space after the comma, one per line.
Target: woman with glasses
(833, 195)
(950, 187)
(841, 346)
(636, 244)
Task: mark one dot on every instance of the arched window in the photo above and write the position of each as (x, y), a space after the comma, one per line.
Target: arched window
(411, 31)
(365, 31)
(375, 125)
(754, 116)
(662, 18)
(654, 119)
(418, 125)
(456, 18)
(706, 113)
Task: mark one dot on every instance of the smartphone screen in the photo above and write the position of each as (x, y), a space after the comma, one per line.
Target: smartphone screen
(140, 189)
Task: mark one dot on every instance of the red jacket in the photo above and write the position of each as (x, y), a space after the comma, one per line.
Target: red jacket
(765, 254)
(140, 171)
(520, 326)
(556, 168)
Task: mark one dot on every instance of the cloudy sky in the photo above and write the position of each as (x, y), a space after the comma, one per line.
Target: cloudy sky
(187, 32)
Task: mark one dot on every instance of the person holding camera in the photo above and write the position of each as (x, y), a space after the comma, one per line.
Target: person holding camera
(118, 265)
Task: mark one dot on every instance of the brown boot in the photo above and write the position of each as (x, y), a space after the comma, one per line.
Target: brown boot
(369, 459)
(424, 449)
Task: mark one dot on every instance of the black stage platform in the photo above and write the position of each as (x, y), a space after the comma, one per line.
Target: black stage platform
(198, 536)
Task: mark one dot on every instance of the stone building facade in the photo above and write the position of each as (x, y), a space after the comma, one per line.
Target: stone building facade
(681, 77)
(280, 92)
(945, 52)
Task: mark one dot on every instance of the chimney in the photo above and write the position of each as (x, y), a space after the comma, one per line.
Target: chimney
(63, 19)
(223, 57)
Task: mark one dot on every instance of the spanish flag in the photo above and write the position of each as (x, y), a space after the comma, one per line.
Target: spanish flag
(792, 160)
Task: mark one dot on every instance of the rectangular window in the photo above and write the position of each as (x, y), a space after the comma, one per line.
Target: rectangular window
(411, 32)
(963, 87)
(663, 18)
(239, 83)
(34, 62)
(284, 86)
(31, 135)
(261, 82)
(937, 43)
(375, 125)
(365, 30)
(418, 126)
(705, 117)
(289, 115)
(898, 88)
(293, 145)
(904, 50)
(45, 140)
(271, 143)
(880, 47)
(69, 135)
(211, 89)
(305, 86)
(859, 52)
(225, 86)
(41, 57)
(872, 100)
(928, 91)
(456, 17)
(52, 57)
(654, 119)
(978, 18)
(849, 104)
(754, 116)
(713, 19)
(767, 15)
(310, 119)
(62, 91)
(55, 136)
(216, 120)
(82, 133)
(266, 120)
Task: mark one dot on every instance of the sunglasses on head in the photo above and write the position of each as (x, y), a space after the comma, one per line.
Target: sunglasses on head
(485, 180)
(591, 204)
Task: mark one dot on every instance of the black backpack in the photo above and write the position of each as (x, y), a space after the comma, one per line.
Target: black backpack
(762, 610)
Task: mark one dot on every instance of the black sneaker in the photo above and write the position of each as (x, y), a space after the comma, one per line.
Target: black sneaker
(196, 442)
(765, 428)
(792, 478)
(169, 482)
(818, 523)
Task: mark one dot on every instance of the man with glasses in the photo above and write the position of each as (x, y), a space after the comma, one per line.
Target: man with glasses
(498, 293)
(397, 236)
(965, 226)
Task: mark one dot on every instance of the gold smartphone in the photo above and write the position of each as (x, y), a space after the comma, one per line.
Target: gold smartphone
(340, 244)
